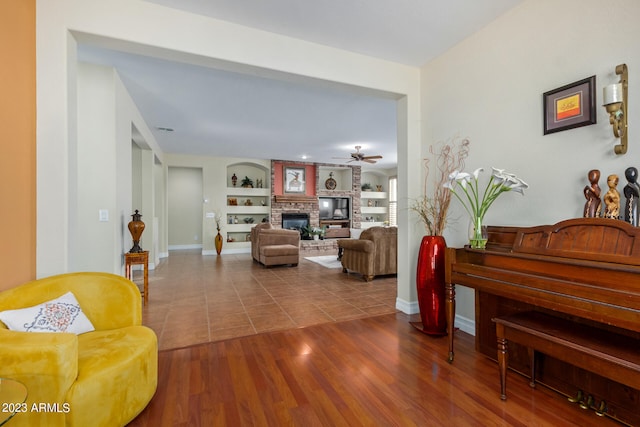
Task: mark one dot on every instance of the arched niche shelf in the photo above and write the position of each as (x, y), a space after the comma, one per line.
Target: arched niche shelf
(260, 175)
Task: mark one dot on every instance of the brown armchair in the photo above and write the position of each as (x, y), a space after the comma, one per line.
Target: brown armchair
(374, 253)
(275, 246)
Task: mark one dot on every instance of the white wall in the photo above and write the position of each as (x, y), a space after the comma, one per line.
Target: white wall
(102, 176)
(490, 86)
(94, 241)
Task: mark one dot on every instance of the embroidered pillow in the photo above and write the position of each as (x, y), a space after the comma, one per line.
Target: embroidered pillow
(62, 314)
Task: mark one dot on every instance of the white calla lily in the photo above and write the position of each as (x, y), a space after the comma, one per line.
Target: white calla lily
(475, 203)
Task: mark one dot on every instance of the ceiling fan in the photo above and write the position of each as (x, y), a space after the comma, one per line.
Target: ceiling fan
(360, 157)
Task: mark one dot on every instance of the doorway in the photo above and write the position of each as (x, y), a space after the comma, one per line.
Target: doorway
(185, 208)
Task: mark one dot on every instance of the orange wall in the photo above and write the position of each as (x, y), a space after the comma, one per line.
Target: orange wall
(278, 177)
(17, 142)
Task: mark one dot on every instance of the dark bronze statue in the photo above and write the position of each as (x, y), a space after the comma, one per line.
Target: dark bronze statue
(631, 193)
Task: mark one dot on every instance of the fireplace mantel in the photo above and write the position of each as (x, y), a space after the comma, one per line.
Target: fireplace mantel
(289, 198)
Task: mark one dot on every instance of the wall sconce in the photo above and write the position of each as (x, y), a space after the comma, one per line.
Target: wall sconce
(616, 103)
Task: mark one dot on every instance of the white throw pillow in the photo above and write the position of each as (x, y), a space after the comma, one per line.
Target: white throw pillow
(62, 314)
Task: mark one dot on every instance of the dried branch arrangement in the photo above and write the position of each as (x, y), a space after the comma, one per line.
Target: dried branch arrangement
(449, 156)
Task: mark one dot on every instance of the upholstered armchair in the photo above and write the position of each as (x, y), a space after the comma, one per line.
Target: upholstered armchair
(375, 253)
(104, 377)
(275, 246)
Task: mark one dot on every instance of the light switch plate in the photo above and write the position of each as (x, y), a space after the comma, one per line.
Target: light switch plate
(103, 215)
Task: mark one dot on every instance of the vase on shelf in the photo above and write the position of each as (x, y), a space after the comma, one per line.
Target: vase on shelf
(477, 234)
(218, 242)
(234, 180)
(430, 286)
(136, 227)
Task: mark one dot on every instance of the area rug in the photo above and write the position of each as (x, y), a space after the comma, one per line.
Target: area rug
(328, 261)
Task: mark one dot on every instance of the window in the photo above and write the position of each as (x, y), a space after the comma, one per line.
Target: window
(393, 201)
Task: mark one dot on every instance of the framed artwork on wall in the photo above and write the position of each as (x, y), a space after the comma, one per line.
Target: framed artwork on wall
(570, 106)
(294, 180)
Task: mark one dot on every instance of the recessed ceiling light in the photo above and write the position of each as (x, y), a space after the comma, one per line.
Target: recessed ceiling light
(304, 157)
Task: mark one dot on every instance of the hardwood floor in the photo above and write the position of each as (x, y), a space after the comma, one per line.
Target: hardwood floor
(371, 369)
(375, 371)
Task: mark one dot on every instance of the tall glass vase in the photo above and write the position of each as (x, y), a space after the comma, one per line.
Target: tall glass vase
(430, 286)
(477, 234)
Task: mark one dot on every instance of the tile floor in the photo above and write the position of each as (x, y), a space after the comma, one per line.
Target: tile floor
(195, 299)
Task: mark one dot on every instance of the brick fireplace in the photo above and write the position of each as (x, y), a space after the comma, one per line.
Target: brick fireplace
(292, 204)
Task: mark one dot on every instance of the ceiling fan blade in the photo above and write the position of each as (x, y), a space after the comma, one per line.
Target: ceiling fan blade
(368, 160)
(372, 157)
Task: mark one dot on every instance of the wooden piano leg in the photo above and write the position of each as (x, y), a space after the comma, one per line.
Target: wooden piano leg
(503, 360)
(450, 306)
(532, 361)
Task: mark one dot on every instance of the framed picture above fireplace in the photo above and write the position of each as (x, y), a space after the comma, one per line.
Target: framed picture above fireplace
(294, 180)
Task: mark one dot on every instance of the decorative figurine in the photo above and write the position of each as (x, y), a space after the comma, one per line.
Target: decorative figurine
(234, 179)
(592, 194)
(612, 198)
(631, 193)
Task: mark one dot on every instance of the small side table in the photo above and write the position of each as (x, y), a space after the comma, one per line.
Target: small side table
(137, 258)
(13, 394)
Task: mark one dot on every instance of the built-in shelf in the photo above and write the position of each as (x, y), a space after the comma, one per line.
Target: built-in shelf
(249, 202)
(342, 175)
(373, 195)
(374, 205)
(369, 224)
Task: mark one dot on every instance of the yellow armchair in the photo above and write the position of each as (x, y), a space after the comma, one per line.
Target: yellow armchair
(100, 378)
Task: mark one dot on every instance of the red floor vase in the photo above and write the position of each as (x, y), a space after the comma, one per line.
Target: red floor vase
(430, 286)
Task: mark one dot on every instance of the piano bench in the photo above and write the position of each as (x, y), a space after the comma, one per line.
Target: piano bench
(611, 355)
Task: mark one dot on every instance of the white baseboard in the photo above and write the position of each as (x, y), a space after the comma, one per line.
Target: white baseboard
(407, 307)
(183, 247)
(466, 325)
(462, 323)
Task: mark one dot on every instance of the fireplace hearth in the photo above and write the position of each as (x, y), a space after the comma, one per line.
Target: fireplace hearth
(295, 221)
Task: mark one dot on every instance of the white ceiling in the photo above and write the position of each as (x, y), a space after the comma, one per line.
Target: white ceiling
(221, 113)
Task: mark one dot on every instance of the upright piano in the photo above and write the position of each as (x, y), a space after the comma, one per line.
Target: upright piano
(586, 270)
